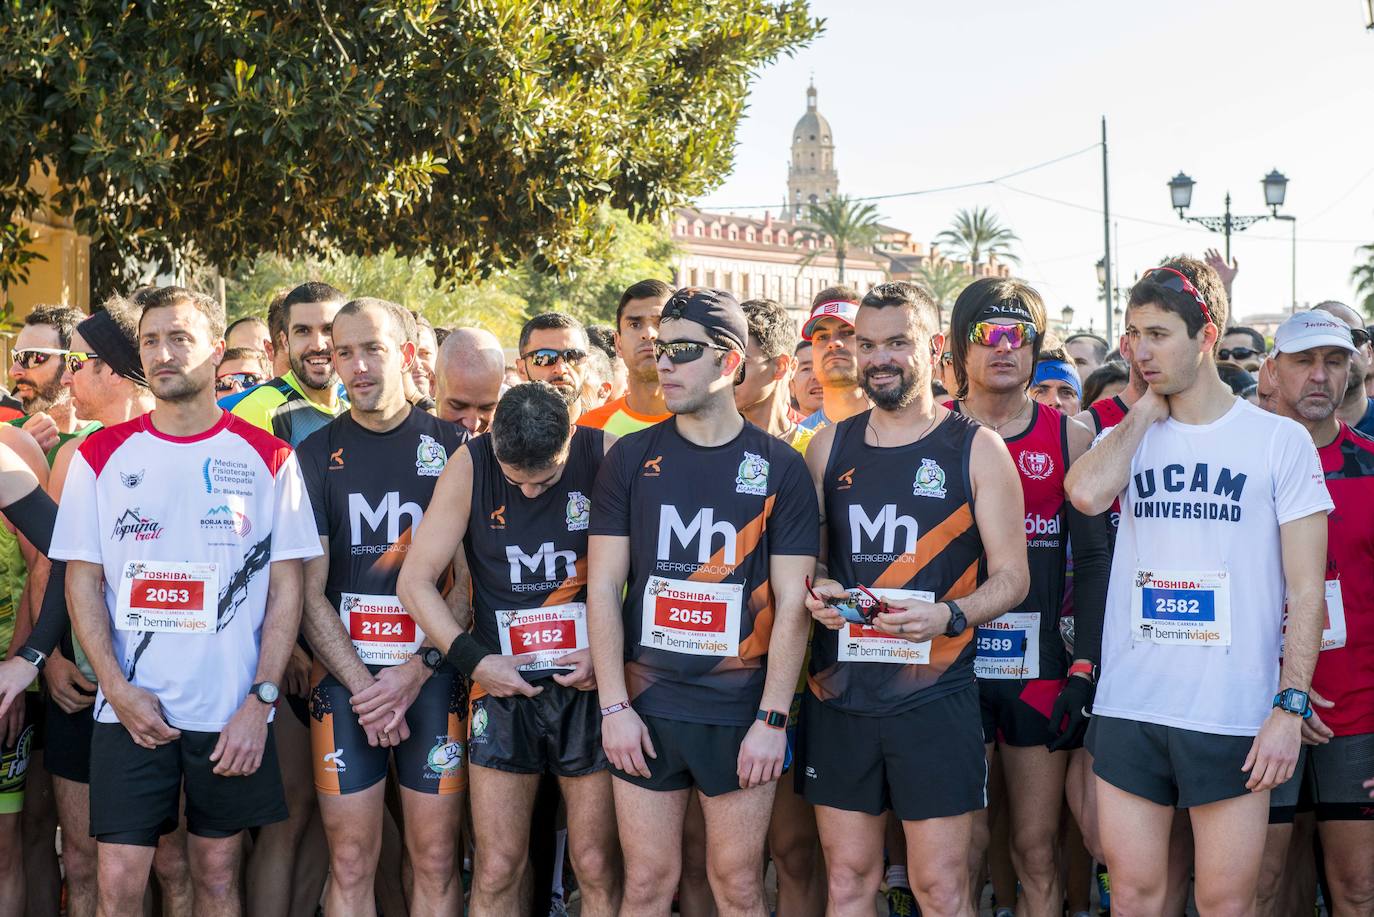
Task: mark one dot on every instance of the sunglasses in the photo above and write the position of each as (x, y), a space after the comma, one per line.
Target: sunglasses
(231, 381)
(848, 607)
(947, 358)
(1017, 334)
(679, 352)
(30, 357)
(548, 356)
(1236, 353)
(77, 359)
(1171, 279)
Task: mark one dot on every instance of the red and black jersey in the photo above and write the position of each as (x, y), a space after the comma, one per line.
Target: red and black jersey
(702, 523)
(1345, 675)
(898, 517)
(525, 553)
(1108, 412)
(1041, 456)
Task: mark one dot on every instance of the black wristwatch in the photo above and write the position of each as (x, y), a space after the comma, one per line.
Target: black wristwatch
(957, 622)
(432, 657)
(266, 691)
(32, 656)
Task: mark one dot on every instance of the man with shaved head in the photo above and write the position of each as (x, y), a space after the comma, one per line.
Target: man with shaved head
(1357, 408)
(469, 373)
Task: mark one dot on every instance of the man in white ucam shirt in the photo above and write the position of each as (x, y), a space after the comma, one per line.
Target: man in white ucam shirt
(1223, 508)
(183, 532)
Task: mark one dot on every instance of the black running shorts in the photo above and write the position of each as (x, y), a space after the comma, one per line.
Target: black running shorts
(927, 762)
(558, 731)
(134, 790)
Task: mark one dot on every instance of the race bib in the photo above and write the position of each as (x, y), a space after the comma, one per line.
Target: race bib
(700, 619)
(860, 643)
(550, 633)
(1333, 631)
(1181, 607)
(168, 597)
(381, 630)
(1008, 647)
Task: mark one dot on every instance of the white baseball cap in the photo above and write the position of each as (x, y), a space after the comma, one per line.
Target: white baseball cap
(844, 311)
(1313, 328)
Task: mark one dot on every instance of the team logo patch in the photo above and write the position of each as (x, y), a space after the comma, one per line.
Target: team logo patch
(132, 480)
(846, 480)
(497, 519)
(446, 757)
(224, 476)
(224, 518)
(132, 522)
(1035, 465)
(334, 762)
(336, 459)
(752, 477)
(430, 457)
(479, 724)
(930, 480)
(651, 467)
(579, 511)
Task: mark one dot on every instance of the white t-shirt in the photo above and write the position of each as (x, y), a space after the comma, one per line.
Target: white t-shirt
(232, 497)
(1204, 499)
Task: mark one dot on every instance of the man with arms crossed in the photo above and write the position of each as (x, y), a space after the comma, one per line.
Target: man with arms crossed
(187, 621)
(1223, 509)
(377, 687)
(921, 507)
(712, 525)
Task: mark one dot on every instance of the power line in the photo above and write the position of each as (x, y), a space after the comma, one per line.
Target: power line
(1175, 226)
(959, 187)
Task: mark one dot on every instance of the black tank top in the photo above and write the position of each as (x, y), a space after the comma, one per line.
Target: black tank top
(523, 553)
(899, 518)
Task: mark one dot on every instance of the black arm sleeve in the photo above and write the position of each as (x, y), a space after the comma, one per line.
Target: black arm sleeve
(53, 619)
(1092, 564)
(34, 515)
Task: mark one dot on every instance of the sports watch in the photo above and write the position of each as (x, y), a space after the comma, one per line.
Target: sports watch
(32, 656)
(774, 718)
(1291, 700)
(432, 657)
(957, 622)
(266, 692)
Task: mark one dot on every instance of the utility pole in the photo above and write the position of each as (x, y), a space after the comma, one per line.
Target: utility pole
(1106, 231)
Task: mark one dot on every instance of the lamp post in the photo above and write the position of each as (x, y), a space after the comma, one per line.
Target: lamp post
(1066, 319)
(1114, 299)
(1275, 190)
(1369, 14)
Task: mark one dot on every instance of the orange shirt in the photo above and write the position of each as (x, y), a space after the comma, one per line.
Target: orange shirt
(616, 418)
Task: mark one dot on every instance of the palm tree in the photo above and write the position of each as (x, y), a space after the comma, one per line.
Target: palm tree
(1363, 276)
(850, 224)
(944, 281)
(978, 233)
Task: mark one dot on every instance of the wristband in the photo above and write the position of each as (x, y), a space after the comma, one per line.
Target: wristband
(1084, 668)
(615, 708)
(774, 719)
(465, 654)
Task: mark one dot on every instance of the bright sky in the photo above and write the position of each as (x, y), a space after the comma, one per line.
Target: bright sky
(923, 94)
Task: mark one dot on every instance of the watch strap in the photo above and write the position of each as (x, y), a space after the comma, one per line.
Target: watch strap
(774, 719)
(958, 623)
(33, 657)
(615, 708)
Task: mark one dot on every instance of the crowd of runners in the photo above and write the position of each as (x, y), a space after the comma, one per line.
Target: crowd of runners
(705, 612)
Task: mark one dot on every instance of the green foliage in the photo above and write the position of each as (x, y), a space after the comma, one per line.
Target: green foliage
(944, 280)
(1363, 276)
(474, 134)
(849, 224)
(588, 290)
(977, 234)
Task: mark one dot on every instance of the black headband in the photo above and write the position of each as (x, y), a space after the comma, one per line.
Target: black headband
(1006, 308)
(108, 342)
